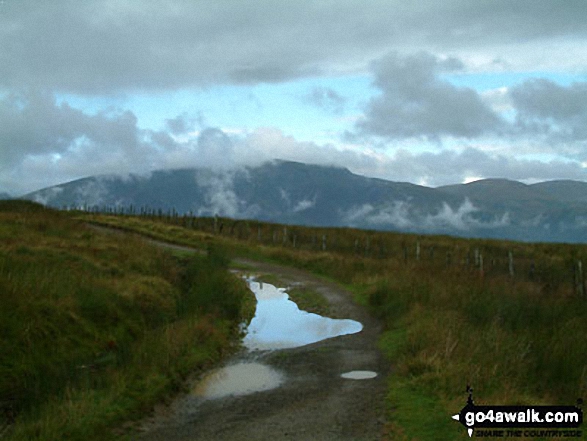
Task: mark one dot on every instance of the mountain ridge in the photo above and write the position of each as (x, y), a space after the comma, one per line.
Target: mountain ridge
(318, 195)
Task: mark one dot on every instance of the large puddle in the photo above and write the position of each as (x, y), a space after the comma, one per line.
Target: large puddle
(279, 323)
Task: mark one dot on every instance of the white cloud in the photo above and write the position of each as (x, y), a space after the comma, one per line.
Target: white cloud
(304, 205)
(220, 196)
(357, 214)
(396, 215)
(45, 196)
(462, 218)
(498, 99)
(92, 192)
(403, 215)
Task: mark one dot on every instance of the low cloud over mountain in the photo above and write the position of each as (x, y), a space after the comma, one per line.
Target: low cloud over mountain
(296, 193)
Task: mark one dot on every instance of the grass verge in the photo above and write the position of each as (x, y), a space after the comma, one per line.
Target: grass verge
(96, 328)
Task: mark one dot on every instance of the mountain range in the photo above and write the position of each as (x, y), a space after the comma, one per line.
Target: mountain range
(303, 194)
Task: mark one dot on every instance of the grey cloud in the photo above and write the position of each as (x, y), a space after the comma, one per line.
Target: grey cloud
(163, 140)
(414, 102)
(327, 99)
(37, 129)
(448, 167)
(215, 148)
(180, 124)
(100, 46)
(545, 108)
(33, 124)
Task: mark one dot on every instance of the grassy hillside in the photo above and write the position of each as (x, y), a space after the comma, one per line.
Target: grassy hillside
(509, 319)
(95, 328)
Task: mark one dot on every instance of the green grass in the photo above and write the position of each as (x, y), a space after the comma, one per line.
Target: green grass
(96, 328)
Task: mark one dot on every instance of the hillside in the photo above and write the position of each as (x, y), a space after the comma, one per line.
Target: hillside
(85, 324)
(302, 194)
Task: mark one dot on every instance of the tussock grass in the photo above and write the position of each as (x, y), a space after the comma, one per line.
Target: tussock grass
(96, 328)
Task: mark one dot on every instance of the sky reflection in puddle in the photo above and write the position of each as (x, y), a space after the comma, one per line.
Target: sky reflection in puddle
(280, 324)
(238, 379)
(359, 375)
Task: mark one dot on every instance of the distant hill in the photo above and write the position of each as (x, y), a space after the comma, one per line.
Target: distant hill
(570, 191)
(295, 193)
(4, 196)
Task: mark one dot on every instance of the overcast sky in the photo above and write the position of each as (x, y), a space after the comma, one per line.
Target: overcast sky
(425, 91)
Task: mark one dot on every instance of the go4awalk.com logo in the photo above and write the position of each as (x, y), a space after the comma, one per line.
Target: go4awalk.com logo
(518, 421)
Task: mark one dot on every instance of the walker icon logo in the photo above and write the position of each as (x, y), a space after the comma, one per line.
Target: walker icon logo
(483, 420)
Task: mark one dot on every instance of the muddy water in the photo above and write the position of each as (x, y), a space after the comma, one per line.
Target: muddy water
(238, 379)
(278, 324)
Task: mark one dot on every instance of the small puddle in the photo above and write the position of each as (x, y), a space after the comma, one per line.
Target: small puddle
(279, 323)
(238, 379)
(359, 375)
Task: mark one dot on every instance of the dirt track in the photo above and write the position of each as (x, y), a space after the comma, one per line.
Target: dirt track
(313, 403)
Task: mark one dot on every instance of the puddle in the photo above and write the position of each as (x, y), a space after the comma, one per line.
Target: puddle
(279, 323)
(359, 375)
(238, 379)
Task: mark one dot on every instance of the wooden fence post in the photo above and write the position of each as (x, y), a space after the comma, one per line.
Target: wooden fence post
(579, 280)
(511, 263)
